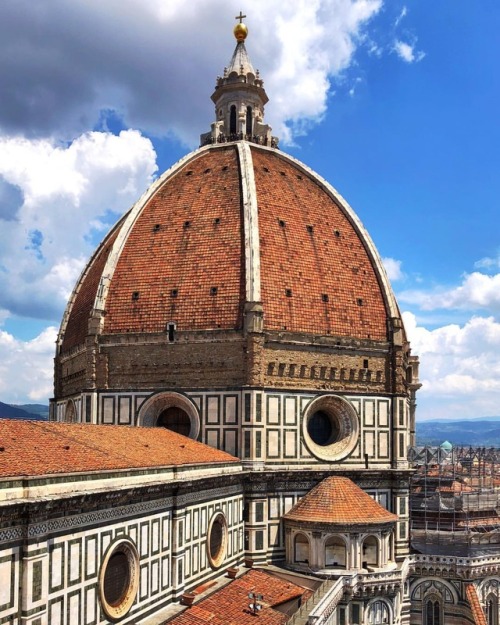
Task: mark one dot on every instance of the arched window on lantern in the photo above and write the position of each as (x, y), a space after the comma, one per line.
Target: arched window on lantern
(249, 120)
(232, 120)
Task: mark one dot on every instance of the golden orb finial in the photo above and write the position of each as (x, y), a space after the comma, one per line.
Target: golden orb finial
(240, 30)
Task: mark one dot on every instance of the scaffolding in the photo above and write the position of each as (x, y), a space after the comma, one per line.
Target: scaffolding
(455, 500)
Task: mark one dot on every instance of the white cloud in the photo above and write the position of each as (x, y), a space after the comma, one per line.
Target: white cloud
(68, 192)
(393, 269)
(154, 63)
(27, 365)
(488, 263)
(477, 291)
(403, 14)
(407, 51)
(317, 40)
(459, 367)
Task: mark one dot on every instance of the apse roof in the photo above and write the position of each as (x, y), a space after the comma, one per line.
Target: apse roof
(338, 501)
(35, 448)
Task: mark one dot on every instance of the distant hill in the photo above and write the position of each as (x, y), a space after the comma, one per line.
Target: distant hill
(36, 412)
(39, 409)
(484, 432)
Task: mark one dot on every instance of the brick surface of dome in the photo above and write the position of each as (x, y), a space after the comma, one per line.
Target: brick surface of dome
(186, 254)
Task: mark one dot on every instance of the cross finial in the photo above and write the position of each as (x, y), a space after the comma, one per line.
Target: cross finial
(240, 17)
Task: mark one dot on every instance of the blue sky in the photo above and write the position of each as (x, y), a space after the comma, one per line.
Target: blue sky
(395, 103)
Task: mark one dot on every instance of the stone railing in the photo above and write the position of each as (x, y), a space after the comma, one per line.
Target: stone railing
(465, 568)
(320, 608)
(239, 136)
(321, 605)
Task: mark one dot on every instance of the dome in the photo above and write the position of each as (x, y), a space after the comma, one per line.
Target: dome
(228, 225)
(338, 501)
(239, 274)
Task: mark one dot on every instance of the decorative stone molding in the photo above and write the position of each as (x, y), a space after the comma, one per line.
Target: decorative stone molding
(116, 602)
(344, 425)
(157, 403)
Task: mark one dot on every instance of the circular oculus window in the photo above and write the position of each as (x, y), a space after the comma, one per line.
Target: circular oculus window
(119, 579)
(330, 427)
(217, 539)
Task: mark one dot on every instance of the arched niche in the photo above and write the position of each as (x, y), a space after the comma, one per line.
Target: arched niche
(301, 549)
(70, 414)
(421, 588)
(370, 552)
(172, 410)
(335, 553)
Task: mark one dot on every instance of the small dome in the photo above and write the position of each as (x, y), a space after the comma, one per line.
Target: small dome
(338, 501)
(446, 446)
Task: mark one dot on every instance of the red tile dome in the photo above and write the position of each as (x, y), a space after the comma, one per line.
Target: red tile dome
(229, 225)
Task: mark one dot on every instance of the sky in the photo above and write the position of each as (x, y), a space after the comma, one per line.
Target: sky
(394, 102)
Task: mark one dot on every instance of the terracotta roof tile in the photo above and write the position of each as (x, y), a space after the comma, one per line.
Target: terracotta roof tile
(475, 607)
(338, 501)
(29, 448)
(229, 605)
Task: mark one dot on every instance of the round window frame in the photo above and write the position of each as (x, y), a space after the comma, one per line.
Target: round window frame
(217, 561)
(117, 612)
(347, 421)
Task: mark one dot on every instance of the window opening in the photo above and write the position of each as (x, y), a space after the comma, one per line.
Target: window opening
(492, 610)
(217, 540)
(232, 120)
(175, 419)
(378, 613)
(171, 331)
(249, 121)
(432, 612)
(322, 428)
